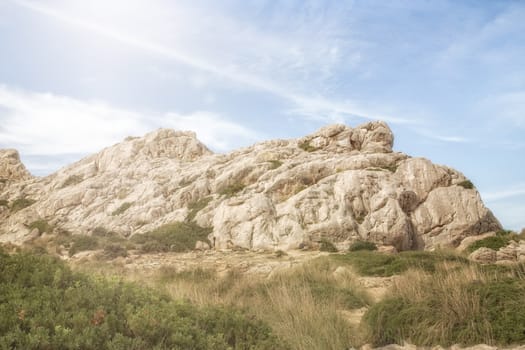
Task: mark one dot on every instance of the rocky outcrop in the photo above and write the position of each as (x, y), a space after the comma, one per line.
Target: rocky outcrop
(11, 168)
(510, 254)
(340, 183)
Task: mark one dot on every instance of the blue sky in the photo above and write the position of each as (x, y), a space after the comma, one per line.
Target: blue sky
(448, 77)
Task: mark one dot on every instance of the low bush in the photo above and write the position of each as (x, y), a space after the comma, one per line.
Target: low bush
(81, 243)
(21, 203)
(306, 146)
(42, 226)
(175, 237)
(384, 265)
(44, 305)
(467, 184)
(500, 240)
(114, 250)
(362, 245)
(327, 246)
(274, 164)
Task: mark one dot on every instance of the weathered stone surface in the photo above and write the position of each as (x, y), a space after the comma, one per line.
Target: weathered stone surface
(11, 168)
(483, 255)
(340, 184)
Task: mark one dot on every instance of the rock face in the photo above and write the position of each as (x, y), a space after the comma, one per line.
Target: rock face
(11, 168)
(340, 183)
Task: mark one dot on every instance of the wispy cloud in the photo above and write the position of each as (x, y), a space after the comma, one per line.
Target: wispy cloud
(439, 137)
(318, 107)
(513, 191)
(44, 124)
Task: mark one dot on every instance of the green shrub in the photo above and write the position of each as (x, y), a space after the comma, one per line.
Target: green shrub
(274, 164)
(44, 305)
(72, 180)
(306, 146)
(384, 265)
(197, 206)
(362, 245)
(232, 190)
(41, 225)
(100, 231)
(467, 184)
(120, 210)
(21, 203)
(175, 237)
(4, 203)
(114, 250)
(500, 240)
(81, 243)
(327, 246)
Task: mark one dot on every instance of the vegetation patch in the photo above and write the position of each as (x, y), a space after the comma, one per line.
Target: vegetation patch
(392, 168)
(81, 243)
(21, 203)
(467, 184)
(114, 250)
(232, 190)
(175, 237)
(197, 206)
(274, 164)
(42, 226)
(120, 210)
(326, 246)
(362, 245)
(4, 203)
(384, 265)
(306, 146)
(452, 306)
(500, 240)
(44, 305)
(72, 180)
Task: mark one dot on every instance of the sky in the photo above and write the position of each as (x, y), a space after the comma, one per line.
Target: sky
(447, 76)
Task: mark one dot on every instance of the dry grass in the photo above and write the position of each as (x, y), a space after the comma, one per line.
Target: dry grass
(463, 304)
(303, 305)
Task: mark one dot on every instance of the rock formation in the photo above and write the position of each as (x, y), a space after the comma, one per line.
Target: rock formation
(340, 183)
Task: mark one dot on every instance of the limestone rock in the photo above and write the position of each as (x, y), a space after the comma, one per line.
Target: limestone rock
(11, 168)
(339, 183)
(483, 255)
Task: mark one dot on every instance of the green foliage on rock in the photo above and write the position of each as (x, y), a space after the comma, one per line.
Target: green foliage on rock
(44, 305)
(467, 184)
(195, 207)
(232, 190)
(120, 210)
(42, 226)
(306, 146)
(174, 237)
(21, 203)
(500, 240)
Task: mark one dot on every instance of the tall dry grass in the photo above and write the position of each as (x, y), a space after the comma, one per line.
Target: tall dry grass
(465, 304)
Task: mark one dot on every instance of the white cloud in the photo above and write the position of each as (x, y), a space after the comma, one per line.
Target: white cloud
(514, 191)
(267, 63)
(439, 137)
(44, 124)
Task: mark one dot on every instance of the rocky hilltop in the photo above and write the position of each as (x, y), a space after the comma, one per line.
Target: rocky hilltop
(339, 184)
